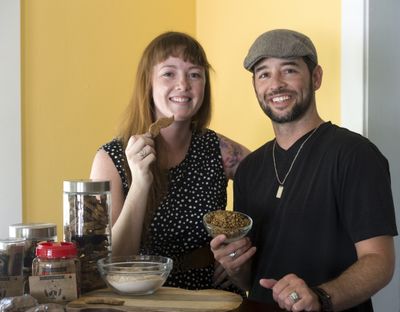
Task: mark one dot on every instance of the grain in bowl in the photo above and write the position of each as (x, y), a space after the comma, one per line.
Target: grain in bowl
(233, 224)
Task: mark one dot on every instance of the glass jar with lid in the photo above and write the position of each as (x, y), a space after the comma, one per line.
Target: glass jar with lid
(87, 205)
(11, 265)
(55, 259)
(33, 233)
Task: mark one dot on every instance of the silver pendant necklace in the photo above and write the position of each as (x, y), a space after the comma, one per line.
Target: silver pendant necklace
(279, 191)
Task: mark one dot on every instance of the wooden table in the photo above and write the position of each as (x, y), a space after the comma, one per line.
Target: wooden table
(246, 306)
(252, 306)
(168, 299)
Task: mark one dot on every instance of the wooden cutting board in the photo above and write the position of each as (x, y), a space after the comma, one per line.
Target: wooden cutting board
(165, 299)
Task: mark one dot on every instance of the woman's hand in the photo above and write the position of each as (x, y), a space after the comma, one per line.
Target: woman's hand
(221, 277)
(140, 153)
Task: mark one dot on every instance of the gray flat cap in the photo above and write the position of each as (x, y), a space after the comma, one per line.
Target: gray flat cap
(280, 43)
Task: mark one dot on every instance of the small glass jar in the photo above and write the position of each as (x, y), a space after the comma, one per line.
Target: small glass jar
(87, 205)
(11, 256)
(33, 233)
(11, 266)
(56, 259)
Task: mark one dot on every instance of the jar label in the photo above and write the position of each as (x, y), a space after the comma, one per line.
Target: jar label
(11, 286)
(54, 288)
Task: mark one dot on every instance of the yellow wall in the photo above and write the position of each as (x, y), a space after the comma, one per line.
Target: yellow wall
(227, 28)
(78, 64)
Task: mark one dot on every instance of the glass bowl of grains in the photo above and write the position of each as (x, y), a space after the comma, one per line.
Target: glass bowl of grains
(235, 225)
(135, 275)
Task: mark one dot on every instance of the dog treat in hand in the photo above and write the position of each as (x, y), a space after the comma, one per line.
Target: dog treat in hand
(160, 123)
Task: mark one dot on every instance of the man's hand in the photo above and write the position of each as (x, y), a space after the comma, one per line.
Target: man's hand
(235, 258)
(221, 277)
(292, 293)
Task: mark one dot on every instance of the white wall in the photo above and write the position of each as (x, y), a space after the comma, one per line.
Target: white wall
(10, 116)
(353, 73)
(370, 97)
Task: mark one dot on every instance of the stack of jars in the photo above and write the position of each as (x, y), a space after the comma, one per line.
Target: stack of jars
(54, 268)
(33, 233)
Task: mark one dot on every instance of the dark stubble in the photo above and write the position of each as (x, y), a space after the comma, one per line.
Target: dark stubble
(299, 109)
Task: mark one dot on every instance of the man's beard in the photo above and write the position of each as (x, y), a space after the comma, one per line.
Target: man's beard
(299, 109)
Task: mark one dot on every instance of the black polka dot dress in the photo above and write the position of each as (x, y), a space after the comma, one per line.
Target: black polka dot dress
(196, 186)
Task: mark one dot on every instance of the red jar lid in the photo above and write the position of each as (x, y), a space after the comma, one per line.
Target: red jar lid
(52, 250)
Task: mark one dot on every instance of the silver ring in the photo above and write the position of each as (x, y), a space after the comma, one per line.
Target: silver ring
(232, 254)
(294, 296)
(142, 153)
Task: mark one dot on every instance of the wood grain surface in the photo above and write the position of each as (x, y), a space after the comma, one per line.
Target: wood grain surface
(165, 299)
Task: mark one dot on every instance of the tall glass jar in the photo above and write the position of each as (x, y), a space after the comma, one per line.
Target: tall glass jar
(33, 233)
(87, 205)
(11, 265)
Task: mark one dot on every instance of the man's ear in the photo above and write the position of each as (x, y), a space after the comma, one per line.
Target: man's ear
(253, 80)
(317, 77)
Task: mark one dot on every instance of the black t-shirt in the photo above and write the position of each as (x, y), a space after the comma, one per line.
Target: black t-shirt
(337, 193)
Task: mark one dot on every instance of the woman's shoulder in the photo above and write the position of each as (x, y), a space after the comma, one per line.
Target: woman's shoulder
(205, 134)
(115, 150)
(206, 140)
(113, 146)
(115, 142)
(230, 145)
(232, 154)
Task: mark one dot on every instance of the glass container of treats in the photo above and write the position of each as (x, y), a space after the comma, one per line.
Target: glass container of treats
(33, 233)
(87, 205)
(11, 267)
(55, 272)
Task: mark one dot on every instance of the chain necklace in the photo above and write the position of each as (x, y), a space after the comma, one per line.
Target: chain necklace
(281, 183)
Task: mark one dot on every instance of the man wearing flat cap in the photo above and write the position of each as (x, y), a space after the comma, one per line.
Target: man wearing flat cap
(319, 195)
